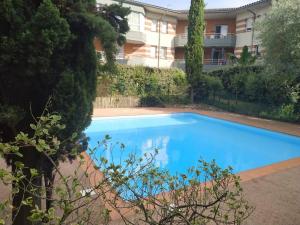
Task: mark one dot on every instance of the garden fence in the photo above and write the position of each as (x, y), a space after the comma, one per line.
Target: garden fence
(116, 102)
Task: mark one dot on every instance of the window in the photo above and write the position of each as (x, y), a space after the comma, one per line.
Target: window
(135, 21)
(154, 25)
(163, 53)
(249, 24)
(153, 50)
(164, 27)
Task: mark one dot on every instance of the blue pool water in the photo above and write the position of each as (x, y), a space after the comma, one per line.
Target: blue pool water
(183, 138)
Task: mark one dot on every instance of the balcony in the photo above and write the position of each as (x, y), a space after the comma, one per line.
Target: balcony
(136, 37)
(208, 64)
(179, 64)
(180, 40)
(213, 64)
(219, 40)
(210, 40)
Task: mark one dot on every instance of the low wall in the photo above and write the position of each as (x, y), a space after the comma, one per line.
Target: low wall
(116, 102)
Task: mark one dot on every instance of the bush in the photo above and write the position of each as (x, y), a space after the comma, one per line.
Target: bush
(151, 101)
(285, 113)
(200, 89)
(255, 90)
(214, 85)
(255, 84)
(165, 84)
(228, 74)
(255, 87)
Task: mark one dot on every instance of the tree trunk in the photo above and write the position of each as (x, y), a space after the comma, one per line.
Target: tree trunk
(49, 182)
(20, 213)
(192, 95)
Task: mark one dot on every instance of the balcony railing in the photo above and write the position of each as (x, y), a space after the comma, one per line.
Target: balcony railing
(217, 62)
(180, 40)
(136, 37)
(208, 64)
(210, 40)
(179, 63)
(219, 40)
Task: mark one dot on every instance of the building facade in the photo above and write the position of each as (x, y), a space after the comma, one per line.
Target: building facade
(158, 35)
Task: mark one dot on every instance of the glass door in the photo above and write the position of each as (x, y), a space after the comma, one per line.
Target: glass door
(224, 30)
(217, 56)
(221, 31)
(218, 32)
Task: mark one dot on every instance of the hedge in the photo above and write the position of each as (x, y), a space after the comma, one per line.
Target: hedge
(150, 84)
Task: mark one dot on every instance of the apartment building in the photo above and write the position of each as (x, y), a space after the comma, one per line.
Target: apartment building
(158, 35)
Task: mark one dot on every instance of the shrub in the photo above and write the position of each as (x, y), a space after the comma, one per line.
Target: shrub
(214, 85)
(255, 87)
(255, 84)
(200, 90)
(256, 91)
(151, 101)
(227, 74)
(141, 81)
(287, 112)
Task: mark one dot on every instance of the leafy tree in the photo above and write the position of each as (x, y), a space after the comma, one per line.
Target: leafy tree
(47, 52)
(245, 59)
(132, 187)
(282, 45)
(194, 47)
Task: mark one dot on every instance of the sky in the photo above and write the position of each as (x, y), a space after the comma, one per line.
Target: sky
(184, 4)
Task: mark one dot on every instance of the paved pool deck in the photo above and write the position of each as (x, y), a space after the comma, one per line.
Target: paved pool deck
(274, 190)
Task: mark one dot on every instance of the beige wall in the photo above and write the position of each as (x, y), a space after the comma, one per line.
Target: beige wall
(212, 23)
(181, 24)
(139, 54)
(244, 38)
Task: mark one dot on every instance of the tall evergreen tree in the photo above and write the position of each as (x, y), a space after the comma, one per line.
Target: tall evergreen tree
(194, 47)
(47, 52)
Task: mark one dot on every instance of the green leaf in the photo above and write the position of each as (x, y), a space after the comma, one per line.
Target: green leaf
(34, 172)
(33, 126)
(19, 165)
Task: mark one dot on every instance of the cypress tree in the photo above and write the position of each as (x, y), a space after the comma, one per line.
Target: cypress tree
(47, 52)
(195, 44)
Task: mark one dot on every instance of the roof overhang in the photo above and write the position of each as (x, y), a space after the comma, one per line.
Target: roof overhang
(222, 13)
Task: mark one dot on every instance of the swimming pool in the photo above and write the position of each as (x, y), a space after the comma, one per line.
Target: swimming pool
(183, 138)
